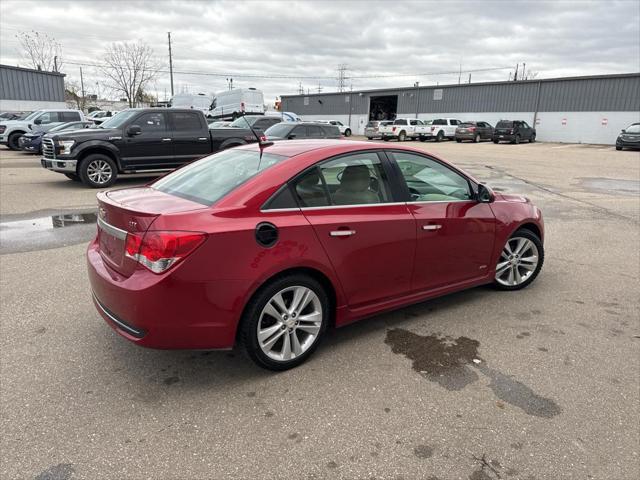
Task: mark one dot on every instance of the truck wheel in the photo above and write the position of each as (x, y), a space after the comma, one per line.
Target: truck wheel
(459, 140)
(440, 136)
(402, 136)
(422, 139)
(347, 132)
(12, 142)
(496, 141)
(98, 171)
(72, 176)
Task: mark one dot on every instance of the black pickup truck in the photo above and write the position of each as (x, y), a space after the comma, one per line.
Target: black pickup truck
(139, 140)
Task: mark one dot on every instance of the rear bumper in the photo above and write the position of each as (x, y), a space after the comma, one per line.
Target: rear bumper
(503, 137)
(165, 311)
(466, 136)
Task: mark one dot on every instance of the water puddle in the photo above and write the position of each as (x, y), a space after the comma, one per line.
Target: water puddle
(51, 231)
(454, 363)
(611, 185)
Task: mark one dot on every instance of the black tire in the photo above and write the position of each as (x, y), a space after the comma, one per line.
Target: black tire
(532, 139)
(496, 141)
(402, 136)
(94, 161)
(517, 140)
(423, 139)
(72, 176)
(618, 148)
(538, 243)
(251, 316)
(439, 136)
(12, 141)
(347, 132)
(477, 138)
(385, 139)
(369, 138)
(458, 140)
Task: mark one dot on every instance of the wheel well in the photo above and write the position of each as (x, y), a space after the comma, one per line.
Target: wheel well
(20, 132)
(532, 227)
(101, 151)
(312, 272)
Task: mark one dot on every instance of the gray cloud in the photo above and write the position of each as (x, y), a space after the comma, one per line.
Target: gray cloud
(302, 39)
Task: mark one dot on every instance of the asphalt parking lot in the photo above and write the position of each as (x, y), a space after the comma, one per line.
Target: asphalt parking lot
(538, 384)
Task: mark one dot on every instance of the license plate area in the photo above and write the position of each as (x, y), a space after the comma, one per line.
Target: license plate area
(112, 243)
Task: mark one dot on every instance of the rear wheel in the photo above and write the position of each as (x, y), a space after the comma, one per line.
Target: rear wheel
(347, 132)
(458, 140)
(517, 140)
(369, 138)
(12, 141)
(285, 321)
(495, 141)
(520, 261)
(439, 136)
(98, 171)
(402, 136)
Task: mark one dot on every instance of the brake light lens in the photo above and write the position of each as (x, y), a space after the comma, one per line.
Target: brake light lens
(472, 129)
(161, 250)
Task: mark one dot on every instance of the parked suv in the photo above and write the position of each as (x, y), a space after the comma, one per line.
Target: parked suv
(474, 131)
(629, 137)
(40, 120)
(513, 131)
(291, 131)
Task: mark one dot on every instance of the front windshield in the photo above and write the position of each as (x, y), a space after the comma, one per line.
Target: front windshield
(118, 120)
(208, 180)
(633, 128)
(242, 122)
(278, 130)
(31, 116)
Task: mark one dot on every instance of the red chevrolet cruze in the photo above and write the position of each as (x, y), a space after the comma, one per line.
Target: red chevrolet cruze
(269, 245)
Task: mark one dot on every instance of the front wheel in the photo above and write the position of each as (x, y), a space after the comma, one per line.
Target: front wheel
(532, 139)
(285, 321)
(369, 138)
(440, 136)
(496, 141)
(517, 140)
(98, 171)
(476, 138)
(458, 140)
(520, 261)
(12, 141)
(347, 132)
(618, 148)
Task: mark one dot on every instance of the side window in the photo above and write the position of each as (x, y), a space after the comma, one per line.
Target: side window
(300, 131)
(525, 125)
(282, 199)
(400, 122)
(453, 122)
(413, 122)
(151, 122)
(430, 181)
(315, 131)
(68, 116)
(185, 121)
(419, 122)
(48, 117)
(262, 124)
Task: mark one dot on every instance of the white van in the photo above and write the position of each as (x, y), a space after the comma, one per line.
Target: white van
(239, 101)
(189, 100)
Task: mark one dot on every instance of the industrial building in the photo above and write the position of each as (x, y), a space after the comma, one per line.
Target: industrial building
(24, 89)
(590, 109)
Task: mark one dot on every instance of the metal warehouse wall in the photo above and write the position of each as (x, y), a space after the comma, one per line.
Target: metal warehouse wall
(24, 84)
(578, 94)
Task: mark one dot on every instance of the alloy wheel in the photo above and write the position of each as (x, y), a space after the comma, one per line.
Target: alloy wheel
(289, 323)
(518, 261)
(99, 172)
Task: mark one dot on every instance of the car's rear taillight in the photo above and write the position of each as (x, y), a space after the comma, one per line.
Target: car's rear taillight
(161, 250)
(472, 129)
(433, 128)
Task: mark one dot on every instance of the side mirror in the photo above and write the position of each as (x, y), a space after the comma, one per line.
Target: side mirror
(133, 130)
(624, 131)
(485, 194)
(38, 121)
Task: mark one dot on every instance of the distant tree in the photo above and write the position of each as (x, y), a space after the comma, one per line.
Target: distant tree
(73, 93)
(128, 68)
(40, 50)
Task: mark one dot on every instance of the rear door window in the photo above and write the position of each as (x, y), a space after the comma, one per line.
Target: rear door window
(439, 121)
(400, 122)
(68, 116)
(314, 131)
(331, 131)
(186, 121)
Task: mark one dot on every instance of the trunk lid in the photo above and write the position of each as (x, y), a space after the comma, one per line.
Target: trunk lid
(131, 210)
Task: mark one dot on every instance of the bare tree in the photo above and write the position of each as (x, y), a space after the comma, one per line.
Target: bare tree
(41, 50)
(128, 68)
(73, 93)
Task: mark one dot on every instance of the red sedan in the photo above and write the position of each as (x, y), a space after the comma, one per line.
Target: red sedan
(269, 245)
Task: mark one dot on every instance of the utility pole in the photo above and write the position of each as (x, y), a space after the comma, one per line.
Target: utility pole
(319, 88)
(82, 87)
(417, 93)
(515, 75)
(300, 88)
(342, 69)
(55, 63)
(170, 62)
(469, 78)
(523, 67)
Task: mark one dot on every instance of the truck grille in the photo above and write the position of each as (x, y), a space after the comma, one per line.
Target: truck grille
(48, 149)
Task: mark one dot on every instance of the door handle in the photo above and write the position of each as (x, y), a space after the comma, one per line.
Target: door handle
(342, 233)
(166, 139)
(202, 139)
(431, 227)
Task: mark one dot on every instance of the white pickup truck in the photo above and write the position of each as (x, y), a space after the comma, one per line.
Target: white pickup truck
(440, 129)
(403, 128)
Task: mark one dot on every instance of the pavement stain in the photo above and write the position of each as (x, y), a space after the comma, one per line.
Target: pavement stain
(454, 363)
(171, 380)
(62, 471)
(423, 451)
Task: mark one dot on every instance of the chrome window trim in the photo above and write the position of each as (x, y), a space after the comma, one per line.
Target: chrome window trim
(111, 230)
(360, 205)
(440, 201)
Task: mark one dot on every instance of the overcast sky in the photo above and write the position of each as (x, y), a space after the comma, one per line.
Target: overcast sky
(310, 39)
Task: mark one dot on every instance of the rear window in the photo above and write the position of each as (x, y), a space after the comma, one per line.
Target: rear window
(279, 130)
(208, 180)
(439, 121)
(372, 124)
(505, 124)
(467, 124)
(400, 122)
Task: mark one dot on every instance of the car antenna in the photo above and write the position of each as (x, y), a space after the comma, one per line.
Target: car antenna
(261, 143)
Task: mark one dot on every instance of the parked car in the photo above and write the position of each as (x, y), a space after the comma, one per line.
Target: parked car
(441, 128)
(403, 128)
(32, 142)
(40, 120)
(292, 130)
(344, 129)
(629, 137)
(371, 130)
(241, 131)
(13, 115)
(234, 247)
(140, 139)
(474, 131)
(230, 104)
(513, 131)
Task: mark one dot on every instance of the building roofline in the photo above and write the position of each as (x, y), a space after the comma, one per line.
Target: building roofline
(451, 85)
(32, 70)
